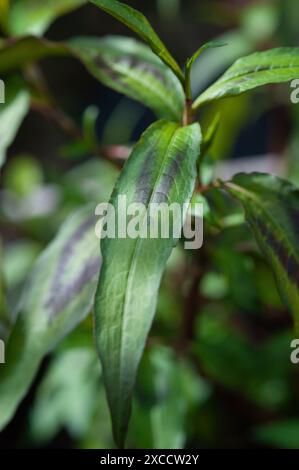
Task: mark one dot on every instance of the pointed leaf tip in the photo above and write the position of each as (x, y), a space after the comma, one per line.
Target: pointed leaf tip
(138, 23)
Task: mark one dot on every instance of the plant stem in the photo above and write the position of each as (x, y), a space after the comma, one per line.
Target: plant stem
(202, 189)
(188, 116)
(188, 92)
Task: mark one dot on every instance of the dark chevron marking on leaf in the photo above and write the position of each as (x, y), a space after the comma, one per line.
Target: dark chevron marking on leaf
(66, 293)
(154, 71)
(100, 62)
(168, 178)
(136, 63)
(107, 63)
(123, 64)
(131, 63)
(144, 182)
(76, 237)
(287, 260)
(130, 67)
(56, 298)
(293, 215)
(63, 288)
(144, 188)
(162, 166)
(272, 210)
(258, 69)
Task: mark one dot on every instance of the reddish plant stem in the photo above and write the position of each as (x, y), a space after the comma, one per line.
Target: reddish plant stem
(188, 115)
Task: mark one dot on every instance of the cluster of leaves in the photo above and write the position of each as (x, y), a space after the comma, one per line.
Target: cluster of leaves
(163, 166)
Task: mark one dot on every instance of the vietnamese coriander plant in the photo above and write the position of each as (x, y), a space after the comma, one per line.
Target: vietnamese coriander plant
(165, 164)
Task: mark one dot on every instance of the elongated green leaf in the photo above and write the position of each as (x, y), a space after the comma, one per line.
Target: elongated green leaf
(210, 135)
(56, 298)
(18, 52)
(132, 69)
(261, 68)
(162, 168)
(11, 117)
(123, 64)
(35, 16)
(140, 25)
(272, 210)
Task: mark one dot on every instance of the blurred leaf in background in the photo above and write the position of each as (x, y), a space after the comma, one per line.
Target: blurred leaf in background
(12, 114)
(71, 383)
(34, 17)
(281, 434)
(168, 389)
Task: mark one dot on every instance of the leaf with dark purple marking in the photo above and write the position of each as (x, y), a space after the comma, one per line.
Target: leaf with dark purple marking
(123, 64)
(162, 168)
(131, 68)
(58, 295)
(258, 69)
(138, 23)
(272, 211)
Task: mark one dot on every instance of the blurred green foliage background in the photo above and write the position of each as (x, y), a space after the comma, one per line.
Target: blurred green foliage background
(217, 370)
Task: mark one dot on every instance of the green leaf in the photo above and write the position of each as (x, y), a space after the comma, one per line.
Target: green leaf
(123, 64)
(207, 45)
(58, 295)
(11, 117)
(261, 68)
(130, 67)
(19, 52)
(282, 434)
(194, 57)
(34, 16)
(272, 210)
(162, 168)
(68, 395)
(140, 25)
(210, 134)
